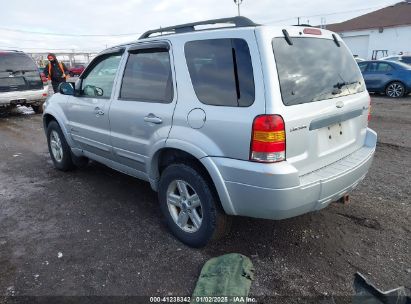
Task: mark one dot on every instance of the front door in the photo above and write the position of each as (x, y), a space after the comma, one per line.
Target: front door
(141, 115)
(377, 75)
(88, 110)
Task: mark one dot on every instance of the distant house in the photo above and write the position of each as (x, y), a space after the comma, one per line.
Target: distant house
(385, 29)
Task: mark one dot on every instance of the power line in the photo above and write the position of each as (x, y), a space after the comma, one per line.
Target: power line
(67, 50)
(67, 35)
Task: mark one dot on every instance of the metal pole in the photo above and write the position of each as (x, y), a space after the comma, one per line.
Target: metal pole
(238, 3)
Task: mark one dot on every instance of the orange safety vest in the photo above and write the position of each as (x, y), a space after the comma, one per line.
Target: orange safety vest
(61, 68)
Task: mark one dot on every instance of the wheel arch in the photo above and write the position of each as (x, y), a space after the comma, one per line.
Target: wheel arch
(169, 155)
(48, 117)
(392, 81)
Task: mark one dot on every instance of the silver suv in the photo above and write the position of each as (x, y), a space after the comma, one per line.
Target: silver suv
(20, 82)
(249, 120)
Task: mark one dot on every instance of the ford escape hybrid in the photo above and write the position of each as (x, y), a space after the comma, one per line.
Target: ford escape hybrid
(259, 121)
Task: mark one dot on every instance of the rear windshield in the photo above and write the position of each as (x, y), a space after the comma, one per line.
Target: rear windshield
(313, 69)
(16, 62)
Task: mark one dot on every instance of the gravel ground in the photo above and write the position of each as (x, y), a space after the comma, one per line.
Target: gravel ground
(98, 232)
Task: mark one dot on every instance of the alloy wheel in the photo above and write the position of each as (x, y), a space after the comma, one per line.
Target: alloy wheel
(395, 90)
(184, 206)
(56, 146)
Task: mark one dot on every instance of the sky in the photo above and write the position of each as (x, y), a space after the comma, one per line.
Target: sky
(93, 25)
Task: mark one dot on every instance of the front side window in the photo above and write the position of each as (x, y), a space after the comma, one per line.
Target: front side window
(99, 81)
(314, 69)
(221, 71)
(147, 77)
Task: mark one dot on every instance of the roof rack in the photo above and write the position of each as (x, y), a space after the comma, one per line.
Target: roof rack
(238, 21)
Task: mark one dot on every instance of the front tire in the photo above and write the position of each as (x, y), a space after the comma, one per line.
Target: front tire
(59, 150)
(190, 206)
(395, 90)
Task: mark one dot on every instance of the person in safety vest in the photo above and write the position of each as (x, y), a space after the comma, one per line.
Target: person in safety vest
(55, 71)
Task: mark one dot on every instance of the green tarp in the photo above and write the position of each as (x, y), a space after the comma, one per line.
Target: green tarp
(228, 276)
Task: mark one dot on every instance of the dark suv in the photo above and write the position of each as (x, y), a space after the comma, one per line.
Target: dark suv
(20, 82)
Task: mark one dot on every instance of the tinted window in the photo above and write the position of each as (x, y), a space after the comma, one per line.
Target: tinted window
(363, 66)
(384, 67)
(314, 69)
(99, 81)
(16, 62)
(406, 59)
(148, 77)
(373, 67)
(221, 71)
(18, 72)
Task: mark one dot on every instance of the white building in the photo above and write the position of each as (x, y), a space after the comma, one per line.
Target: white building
(387, 31)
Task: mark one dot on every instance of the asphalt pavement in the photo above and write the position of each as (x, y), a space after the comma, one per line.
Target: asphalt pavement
(95, 231)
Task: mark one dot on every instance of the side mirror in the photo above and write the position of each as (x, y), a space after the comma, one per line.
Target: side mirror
(66, 88)
(98, 91)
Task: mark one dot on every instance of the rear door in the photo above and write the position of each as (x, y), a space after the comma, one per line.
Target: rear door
(141, 114)
(324, 100)
(88, 111)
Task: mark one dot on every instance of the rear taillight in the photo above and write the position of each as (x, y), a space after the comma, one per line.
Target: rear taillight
(268, 139)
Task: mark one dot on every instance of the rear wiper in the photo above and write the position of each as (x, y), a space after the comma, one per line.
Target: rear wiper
(340, 85)
(287, 37)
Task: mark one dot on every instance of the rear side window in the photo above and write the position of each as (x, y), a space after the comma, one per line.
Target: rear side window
(384, 67)
(148, 77)
(221, 71)
(314, 69)
(16, 62)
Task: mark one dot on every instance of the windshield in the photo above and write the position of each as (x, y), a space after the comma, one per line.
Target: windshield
(16, 62)
(315, 69)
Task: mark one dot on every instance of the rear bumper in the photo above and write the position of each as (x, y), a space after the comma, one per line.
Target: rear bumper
(277, 191)
(35, 97)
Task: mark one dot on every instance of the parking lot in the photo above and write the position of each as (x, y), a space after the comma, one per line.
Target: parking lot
(98, 232)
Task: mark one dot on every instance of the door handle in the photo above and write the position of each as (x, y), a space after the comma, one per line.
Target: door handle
(389, 74)
(153, 119)
(98, 111)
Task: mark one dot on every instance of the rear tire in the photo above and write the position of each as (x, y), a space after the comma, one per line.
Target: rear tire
(37, 109)
(395, 89)
(190, 206)
(59, 150)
